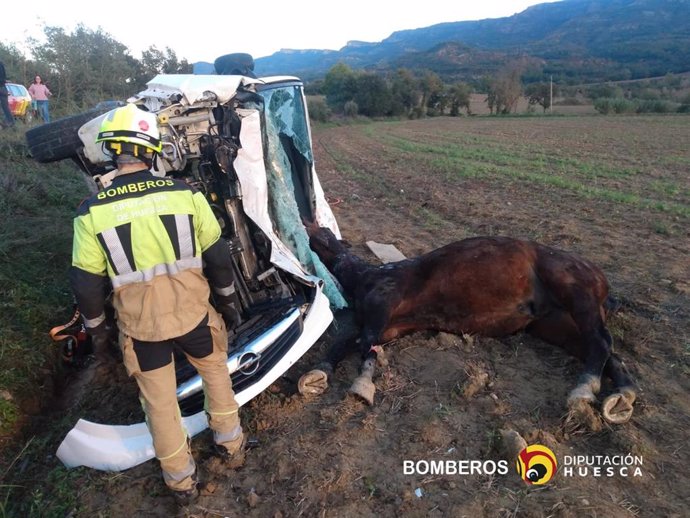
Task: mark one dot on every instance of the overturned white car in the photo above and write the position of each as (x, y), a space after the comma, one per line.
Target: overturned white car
(246, 144)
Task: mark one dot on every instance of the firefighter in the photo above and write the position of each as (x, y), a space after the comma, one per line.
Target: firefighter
(149, 237)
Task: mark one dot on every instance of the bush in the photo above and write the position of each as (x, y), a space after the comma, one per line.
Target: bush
(350, 109)
(318, 109)
(603, 105)
(684, 105)
(649, 94)
(656, 106)
(604, 91)
(624, 106)
(417, 113)
(618, 105)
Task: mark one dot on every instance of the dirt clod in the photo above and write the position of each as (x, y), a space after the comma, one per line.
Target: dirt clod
(513, 444)
(477, 379)
(253, 499)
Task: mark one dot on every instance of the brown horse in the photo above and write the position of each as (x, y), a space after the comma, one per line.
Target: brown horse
(489, 286)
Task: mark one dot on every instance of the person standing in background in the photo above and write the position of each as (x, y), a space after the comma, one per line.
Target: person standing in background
(3, 96)
(40, 93)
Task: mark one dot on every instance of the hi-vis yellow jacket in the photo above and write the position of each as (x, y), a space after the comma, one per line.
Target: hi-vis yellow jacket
(147, 235)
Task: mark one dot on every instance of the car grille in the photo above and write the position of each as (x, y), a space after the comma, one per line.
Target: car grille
(242, 380)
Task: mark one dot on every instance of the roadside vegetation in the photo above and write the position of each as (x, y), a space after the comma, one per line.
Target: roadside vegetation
(37, 203)
(85, 66)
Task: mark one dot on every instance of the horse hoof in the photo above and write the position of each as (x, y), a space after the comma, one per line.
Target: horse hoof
(364, 388)
(381, 360)
(313, 383)
(618, 407)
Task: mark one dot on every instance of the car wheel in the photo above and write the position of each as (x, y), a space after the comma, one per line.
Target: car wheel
(60, 139)
(235, 64)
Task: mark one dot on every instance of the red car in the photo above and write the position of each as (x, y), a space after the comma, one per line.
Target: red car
(19, 101)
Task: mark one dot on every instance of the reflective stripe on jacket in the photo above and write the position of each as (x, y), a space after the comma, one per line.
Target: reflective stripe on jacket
(147, 234)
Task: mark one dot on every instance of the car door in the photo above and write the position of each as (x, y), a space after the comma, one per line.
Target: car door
(13, 99)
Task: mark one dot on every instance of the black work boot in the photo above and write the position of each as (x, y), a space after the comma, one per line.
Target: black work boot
(188, 497)
(222, 461)
(231, 460)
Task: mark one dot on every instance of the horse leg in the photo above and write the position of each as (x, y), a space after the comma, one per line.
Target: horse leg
(559, 328)
(363, 386)
(315, 382)
(598, 345)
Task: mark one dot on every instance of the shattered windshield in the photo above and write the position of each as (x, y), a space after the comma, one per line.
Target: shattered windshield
(286, 116)
(289, 163)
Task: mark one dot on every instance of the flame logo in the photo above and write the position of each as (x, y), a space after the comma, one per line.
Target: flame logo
(536, 464)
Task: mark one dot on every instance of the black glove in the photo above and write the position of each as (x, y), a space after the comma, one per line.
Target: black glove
(101, 337)
(231, 315)
(230, 307)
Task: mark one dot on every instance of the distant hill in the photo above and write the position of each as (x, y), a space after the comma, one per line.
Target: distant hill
(574, 41)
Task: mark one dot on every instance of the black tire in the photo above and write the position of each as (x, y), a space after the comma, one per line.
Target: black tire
(59, 140)
(238, 63)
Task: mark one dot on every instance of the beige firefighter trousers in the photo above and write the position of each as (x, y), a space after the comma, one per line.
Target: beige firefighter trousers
(158, 398)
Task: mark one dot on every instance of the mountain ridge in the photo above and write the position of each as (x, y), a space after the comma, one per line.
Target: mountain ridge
(573, 40)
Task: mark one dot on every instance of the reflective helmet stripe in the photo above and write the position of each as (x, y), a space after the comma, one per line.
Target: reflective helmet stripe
(113, 135)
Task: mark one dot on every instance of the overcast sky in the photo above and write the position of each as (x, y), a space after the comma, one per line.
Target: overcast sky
(205, 29)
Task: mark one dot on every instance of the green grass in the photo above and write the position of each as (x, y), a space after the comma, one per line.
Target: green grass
(53, 497)
(37, 204)
(590, 175)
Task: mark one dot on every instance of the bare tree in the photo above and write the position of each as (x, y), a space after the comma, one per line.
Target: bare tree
(505, 89)
(540, 93)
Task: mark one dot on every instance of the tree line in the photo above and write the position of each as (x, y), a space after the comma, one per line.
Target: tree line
(402, 93)
(415, 94)
(405, 93)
